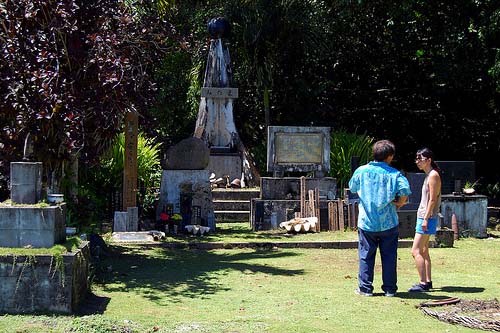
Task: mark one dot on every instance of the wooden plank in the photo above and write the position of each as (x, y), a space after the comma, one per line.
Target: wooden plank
(130, 162)
(303, 196)
(340, 205)
(330, 216)
(317, 212)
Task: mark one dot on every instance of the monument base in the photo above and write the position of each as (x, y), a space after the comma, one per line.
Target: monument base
(30, 225)
(227, 164)
(188, 193)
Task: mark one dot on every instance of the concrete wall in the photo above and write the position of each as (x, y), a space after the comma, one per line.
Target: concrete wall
(471, 212)
(288, 188)
(30, 225)
(34, 284)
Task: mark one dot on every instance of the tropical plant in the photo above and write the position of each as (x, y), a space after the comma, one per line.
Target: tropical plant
(345, 146)
(148, 167)
(70, 70)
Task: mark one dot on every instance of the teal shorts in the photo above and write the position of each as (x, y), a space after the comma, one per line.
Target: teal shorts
(431, 226)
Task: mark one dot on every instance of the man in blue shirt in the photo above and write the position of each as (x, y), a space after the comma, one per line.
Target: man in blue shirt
(381, 189)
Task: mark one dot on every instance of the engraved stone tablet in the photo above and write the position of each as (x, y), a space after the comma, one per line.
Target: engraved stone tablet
(189, 154)
(298, 149)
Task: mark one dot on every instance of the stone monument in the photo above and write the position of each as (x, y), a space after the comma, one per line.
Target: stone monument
(215, 124)
(185, 187)
(299, 150)
(26, 221)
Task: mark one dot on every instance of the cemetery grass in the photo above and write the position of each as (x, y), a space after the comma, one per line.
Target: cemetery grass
(139, 289)
(71, 244)
(241, 232)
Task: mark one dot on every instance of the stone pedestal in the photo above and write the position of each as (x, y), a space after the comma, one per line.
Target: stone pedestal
(30, 225)
(38, 286)
(190, 189)
(471, 212)
(444, 238)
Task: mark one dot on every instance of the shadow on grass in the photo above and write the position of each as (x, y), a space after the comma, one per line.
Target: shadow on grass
(166, 275)
(93, 304)
(447, 289)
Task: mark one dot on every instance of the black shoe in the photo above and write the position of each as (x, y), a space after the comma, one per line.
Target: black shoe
(418, 288)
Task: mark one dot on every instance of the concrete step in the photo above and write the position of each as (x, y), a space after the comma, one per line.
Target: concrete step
(235, 194)
(232, 216)
(231, 205)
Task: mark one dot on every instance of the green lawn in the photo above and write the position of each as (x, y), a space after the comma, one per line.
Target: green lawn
(280, 290)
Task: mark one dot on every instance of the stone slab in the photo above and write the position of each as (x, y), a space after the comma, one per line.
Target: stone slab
(189, 154)
(454, 175)
(26, 182)
(407, 223)
(120, 221)
(131, 237)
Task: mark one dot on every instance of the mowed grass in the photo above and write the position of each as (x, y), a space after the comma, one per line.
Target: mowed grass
(266, 290)
(241, 232)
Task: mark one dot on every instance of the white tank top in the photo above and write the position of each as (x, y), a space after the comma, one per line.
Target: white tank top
(424, 200)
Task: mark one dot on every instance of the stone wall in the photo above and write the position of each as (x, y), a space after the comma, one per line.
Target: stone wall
(34, 284)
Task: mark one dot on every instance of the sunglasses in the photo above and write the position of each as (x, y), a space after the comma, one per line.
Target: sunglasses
(420, 158)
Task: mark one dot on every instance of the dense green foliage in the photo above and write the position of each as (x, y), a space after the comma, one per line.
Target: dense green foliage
(416, 72)
(100, 189)
(345, 147)
(70, 69)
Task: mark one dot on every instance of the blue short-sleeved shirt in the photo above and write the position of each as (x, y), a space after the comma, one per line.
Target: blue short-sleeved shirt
(377, 185)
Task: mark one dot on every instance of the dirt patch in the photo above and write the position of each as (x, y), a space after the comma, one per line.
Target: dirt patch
(477, 314)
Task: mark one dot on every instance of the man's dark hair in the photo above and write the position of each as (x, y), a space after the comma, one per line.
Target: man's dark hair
(383, 149)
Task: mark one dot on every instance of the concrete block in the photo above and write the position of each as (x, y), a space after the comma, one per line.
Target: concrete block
(40, 288)
(407, 223)
(288, 188)
(120, 222)
(36, 226)
(471, 212)
(132, 219)
(26, 182)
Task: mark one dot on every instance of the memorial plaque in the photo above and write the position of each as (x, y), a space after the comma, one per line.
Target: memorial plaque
(299, 148)
(215, 92)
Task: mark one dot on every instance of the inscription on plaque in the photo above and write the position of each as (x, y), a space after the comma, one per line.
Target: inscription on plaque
(219, 92)
(299, 148)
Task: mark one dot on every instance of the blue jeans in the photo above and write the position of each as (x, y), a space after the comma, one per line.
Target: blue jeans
(387, 241)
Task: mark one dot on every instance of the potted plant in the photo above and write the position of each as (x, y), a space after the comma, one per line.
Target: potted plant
(469, 188)
(176, 221)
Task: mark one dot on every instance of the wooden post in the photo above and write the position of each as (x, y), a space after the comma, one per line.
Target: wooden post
(317, 212)
(340, 205)
(130, 161)
(303, 196)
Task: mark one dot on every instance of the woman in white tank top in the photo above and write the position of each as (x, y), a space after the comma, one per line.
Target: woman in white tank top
(427, 218)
